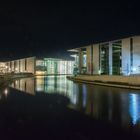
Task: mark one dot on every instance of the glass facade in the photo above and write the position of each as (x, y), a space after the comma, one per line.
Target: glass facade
(40, 67)
(58, 66)
(84, 61)
(77, 60)
(51, 65)
(3, 68)
(104, 58)
(116, 58)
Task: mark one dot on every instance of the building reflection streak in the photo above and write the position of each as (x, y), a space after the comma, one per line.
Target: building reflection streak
(84, 95)
(26, 85)
(4, 92)
(134, 107)
(75, 93)
(55, 84)
(40, 84)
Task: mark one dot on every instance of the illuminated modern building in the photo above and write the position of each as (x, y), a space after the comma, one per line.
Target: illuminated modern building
(118, 57)
(3, 67)
(24, 65)
(40, 67)
(53, 66)
(46, 66)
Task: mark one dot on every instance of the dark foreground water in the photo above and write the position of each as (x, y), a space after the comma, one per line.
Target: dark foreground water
(56, 108)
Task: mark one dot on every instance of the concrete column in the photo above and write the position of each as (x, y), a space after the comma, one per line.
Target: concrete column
(110, 58)
(89, 60)
(13, 68)
(96, 59)
(126, 56)
(30, 65)
(80, 60)
(8, 67)
(22, 65)
(136, 55)
(17, 65)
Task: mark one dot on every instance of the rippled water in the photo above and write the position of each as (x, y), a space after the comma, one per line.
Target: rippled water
(108, 104)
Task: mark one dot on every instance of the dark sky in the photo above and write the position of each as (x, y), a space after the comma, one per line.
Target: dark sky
(50, 28)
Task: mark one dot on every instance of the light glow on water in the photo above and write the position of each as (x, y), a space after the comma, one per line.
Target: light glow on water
(134, 108)
(84, 95)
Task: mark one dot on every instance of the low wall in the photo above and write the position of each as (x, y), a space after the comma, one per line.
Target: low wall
(130, 80)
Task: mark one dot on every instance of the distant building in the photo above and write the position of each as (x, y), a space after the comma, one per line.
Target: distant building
(3, 67)
(46, 66)
(24, 65)
(53, 66)
(118, 57)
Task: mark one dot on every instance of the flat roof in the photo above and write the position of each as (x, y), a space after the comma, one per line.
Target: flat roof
(76, 49)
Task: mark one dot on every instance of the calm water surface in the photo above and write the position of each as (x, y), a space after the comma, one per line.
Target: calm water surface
(113, 105)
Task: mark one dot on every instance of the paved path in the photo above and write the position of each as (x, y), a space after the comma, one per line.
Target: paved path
(132, 82)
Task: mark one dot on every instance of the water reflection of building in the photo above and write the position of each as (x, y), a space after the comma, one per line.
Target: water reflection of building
(47, 84)
(26, 85)
(4, 93)
(134, 108)
(119, 106)
(108, 104)
(54, 84)
(58, 85)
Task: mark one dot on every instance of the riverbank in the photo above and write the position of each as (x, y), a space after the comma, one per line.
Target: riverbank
(8, 78)
(131, 82)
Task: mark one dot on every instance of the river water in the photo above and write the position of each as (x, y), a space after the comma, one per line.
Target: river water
(117, 106)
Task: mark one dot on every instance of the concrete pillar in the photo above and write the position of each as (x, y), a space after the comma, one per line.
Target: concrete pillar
(80, 60)
(136, 55)
(110, 58)
(13, 68)
(89, 59)
(30, 65)
(22, 65)
(17, 66)
(8, 67)
(126, 70)
(96, 59)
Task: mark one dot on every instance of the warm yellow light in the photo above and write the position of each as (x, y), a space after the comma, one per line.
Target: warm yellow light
(40, 72)
(6, 92)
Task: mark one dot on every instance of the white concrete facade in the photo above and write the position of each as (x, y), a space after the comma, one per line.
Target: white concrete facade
(110, 58)
(126, 56)
(136, 55)
(89, 59)
(25, 65)
(96, 67)
(128, 59)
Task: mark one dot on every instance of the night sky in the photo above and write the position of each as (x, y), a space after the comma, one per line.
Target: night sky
(49, 29)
